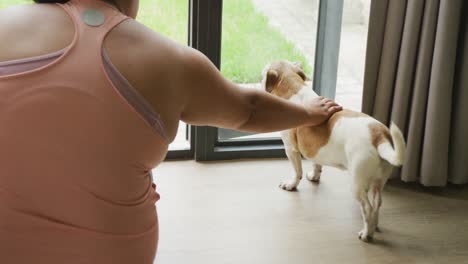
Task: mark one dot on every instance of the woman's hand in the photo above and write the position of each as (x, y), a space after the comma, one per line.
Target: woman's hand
(320, 109)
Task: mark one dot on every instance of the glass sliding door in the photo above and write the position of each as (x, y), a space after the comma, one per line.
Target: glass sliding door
(350, 77)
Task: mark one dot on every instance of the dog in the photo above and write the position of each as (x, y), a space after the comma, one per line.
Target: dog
(349, 140)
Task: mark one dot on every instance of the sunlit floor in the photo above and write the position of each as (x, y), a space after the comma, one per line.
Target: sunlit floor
(234, 212)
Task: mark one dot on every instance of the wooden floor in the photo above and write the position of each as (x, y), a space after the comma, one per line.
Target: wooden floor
(234, 212)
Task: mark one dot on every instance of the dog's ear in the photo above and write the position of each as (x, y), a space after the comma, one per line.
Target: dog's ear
(300, 72)
(272, 78)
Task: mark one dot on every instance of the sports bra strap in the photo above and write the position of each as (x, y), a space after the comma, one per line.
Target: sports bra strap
(93, 20)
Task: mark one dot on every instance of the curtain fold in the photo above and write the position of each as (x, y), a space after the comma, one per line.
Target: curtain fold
(420, 89)
(458, 165)
(389, 59)
(416, 76)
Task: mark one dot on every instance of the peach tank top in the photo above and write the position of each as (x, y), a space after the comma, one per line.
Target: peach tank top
(77, 145)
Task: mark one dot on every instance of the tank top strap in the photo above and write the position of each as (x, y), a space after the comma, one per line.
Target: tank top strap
(93, 20)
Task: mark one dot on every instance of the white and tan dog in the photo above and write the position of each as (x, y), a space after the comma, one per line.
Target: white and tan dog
(348, 140)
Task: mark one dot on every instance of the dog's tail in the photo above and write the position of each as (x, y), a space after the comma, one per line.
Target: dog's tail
(396, 154)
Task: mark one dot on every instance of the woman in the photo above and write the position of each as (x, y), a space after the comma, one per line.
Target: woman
(89, 101)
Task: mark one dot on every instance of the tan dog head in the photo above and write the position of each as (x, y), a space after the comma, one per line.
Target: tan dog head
(283, 78)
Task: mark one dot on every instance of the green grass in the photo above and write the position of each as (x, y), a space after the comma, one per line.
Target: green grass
(7, 3)
(168, 17)
(249, 42)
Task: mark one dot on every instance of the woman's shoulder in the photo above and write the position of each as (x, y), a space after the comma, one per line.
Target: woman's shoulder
(152, 56)
(40, 28)
(21, 10)
(144, 38)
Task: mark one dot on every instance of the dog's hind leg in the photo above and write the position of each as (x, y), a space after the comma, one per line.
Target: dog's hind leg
(377, 188)
(366, 211)
(376, 203)
(296, 160)
(362, 171)
(314, 175)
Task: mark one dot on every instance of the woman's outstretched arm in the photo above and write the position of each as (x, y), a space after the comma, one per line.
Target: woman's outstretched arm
(212, 100)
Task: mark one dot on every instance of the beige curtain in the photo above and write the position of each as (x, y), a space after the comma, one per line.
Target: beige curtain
(417, 76)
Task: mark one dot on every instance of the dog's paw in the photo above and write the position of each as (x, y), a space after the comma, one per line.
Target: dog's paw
(313, 177)
(364, 236)
(290, 185)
